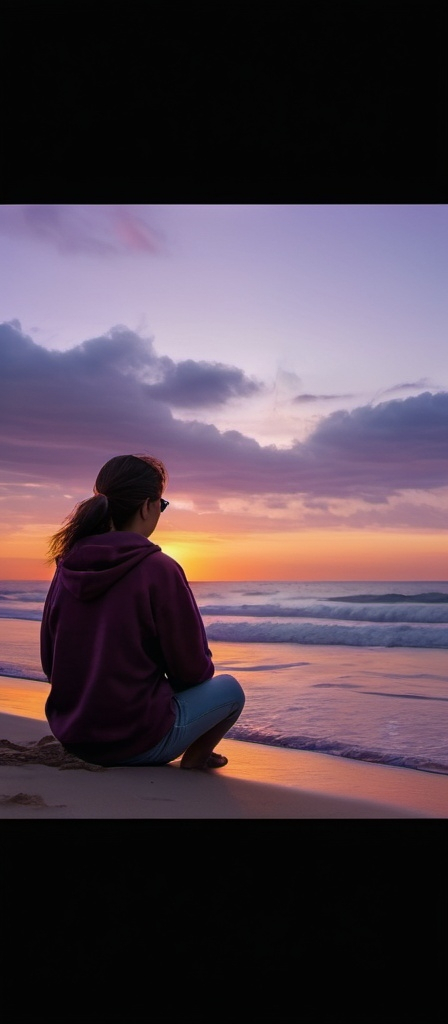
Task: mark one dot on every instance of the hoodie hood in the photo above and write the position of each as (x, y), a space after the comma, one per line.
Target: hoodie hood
(95, 563)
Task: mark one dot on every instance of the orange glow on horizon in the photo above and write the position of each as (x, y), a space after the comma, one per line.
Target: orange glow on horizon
(305, 555)
(312, 555)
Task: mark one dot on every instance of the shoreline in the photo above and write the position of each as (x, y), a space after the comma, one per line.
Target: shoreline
(259, 781)
(383, 706)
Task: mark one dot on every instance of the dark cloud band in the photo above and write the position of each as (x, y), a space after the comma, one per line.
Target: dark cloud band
(64, 413)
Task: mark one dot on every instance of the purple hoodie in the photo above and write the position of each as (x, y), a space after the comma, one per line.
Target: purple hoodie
(120, 632)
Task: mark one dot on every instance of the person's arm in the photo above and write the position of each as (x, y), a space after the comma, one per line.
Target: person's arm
(180, 628)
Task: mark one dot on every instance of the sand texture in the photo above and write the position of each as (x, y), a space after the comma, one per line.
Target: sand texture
(39, 780)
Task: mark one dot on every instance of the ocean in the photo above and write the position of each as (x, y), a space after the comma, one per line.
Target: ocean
(351, 669)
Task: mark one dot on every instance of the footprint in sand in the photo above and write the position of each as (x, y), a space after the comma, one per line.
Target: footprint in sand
(30, 799)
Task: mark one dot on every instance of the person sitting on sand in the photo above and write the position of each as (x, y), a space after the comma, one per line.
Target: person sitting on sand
(123, 644)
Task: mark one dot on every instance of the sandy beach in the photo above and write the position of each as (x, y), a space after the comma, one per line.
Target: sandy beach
(37, 780)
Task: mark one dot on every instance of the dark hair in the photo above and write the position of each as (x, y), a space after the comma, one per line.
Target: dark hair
(121, 487)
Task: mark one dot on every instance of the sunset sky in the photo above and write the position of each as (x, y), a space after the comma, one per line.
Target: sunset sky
(289, 364)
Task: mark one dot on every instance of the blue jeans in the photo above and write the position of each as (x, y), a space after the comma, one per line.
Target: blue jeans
(198, 709)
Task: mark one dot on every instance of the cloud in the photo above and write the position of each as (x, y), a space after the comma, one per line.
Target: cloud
(58, 407)
(65, 413)
(103, 231)
(120, 354)
(191, 384)
(418, 385)
(420, 421)
(415, 385)
(396, 514)
(305, 398)
(392, 446)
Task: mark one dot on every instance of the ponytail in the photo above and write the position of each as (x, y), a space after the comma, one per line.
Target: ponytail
(88, 517)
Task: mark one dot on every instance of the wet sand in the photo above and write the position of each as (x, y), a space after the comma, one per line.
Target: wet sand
(258, 782)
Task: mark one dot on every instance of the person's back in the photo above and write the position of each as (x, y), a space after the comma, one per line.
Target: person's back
(122, 639)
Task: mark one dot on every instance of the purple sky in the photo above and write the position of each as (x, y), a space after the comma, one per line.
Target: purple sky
(289, 357)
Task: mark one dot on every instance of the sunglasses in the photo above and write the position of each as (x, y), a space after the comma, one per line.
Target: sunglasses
(163, 504)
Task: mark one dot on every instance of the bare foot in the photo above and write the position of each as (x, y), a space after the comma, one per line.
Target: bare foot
(212, 761)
